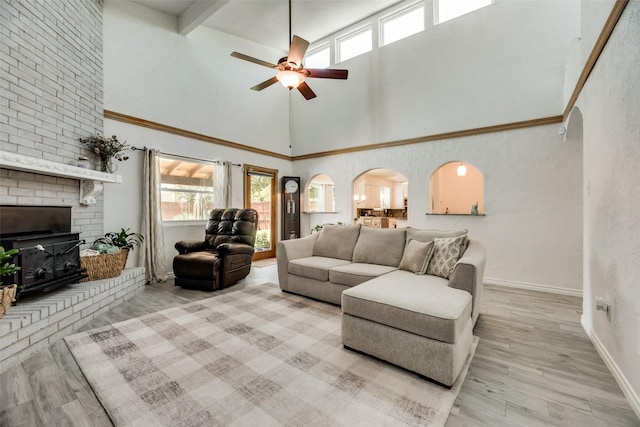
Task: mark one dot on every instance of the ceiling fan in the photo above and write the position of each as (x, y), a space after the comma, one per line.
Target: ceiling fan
(290, 70)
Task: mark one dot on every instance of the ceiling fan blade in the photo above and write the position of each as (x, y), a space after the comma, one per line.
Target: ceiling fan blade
(297, 50)
(327, 73)
(252, 59)
(265, 84)
(306, 91)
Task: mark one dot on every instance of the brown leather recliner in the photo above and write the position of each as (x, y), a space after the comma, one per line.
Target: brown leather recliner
(224, 257)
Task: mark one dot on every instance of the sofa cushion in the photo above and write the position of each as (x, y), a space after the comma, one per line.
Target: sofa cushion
(416, 256)
(423, 305)
(355, 273)
(446, 252)
(315, 267)
(429, 235)
(380, 246)
(337, 241)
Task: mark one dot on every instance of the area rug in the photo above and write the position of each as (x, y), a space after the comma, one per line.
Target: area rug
(250, 357)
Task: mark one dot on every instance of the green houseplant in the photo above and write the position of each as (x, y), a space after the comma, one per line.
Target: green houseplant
(7, 268)
(125, 238)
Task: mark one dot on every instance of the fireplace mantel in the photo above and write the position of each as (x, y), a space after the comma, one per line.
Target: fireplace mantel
(91, 181)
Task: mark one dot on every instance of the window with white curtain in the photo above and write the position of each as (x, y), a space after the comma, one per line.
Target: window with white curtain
(186, 188)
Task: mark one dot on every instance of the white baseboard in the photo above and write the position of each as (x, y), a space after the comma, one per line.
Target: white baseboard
(627, 390)
(534, 287)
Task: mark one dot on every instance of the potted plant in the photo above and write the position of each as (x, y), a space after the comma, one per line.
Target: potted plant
(7, 268)
(125, 239)
(108, 149)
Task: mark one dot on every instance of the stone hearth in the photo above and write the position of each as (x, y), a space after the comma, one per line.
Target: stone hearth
(39, 321)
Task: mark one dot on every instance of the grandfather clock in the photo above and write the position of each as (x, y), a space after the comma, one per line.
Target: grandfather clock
(290, 207)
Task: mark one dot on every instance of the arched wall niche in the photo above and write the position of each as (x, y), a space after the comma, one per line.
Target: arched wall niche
(320, 194)
(456, 188)
(381, 193)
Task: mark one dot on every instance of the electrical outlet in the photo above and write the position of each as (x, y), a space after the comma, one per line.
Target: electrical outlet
(601, 304)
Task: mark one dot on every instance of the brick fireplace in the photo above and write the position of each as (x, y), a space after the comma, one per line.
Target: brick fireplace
(51, 94)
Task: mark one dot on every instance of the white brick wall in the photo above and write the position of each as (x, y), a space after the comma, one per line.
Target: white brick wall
(51, 94)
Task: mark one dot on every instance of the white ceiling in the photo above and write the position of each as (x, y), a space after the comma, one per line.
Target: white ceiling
(267, 21)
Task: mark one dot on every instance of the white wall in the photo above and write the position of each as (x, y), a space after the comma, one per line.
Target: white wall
(191, 82)
(610, 108)
(503, 63)
(533, 199)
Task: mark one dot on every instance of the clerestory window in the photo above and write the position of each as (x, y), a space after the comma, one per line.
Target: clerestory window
(355, 43)
(401, 24)
(449, 9)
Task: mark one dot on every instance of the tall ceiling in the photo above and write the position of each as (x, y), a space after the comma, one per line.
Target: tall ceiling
(267, 21)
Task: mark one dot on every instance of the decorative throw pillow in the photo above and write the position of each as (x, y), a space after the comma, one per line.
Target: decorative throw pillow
(416, 256)
(446, 252)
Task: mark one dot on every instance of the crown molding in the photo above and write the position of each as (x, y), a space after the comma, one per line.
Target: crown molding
(108, 114)
(599, 46)
(601, 42)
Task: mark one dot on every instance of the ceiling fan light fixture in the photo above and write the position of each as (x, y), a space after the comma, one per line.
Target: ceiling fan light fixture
(289, 79)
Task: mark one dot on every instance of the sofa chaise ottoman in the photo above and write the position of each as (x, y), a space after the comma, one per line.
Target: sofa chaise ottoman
(403, 301)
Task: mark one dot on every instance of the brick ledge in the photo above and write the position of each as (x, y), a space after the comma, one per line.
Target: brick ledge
(39, 322)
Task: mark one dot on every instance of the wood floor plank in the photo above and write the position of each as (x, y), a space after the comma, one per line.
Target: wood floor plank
(50, 390)
(25, 414)
(14, 388)
(71, 414)
(534, 366)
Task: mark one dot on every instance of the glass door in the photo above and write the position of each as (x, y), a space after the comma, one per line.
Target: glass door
(260, 194)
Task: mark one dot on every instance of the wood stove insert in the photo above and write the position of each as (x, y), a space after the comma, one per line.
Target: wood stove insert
(49, 251)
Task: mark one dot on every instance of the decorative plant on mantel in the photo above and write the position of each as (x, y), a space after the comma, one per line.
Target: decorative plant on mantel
(7, 268)
(108, 149)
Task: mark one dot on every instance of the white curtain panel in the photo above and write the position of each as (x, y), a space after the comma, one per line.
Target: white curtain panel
(222, 185)
(152, 250)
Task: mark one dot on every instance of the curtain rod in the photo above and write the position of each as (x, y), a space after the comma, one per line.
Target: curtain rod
(186, 157)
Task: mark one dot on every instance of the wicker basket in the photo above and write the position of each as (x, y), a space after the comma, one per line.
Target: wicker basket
(104, 266)
(7, 296)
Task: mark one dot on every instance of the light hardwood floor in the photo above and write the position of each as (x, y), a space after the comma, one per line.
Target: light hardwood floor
(534, 366)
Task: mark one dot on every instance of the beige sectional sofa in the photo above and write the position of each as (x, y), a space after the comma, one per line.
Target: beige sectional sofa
(392, 309)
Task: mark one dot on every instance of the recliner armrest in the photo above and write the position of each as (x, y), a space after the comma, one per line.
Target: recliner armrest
(235, 249)
(186, 246)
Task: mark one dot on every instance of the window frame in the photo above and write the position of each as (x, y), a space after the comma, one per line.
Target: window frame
(317, 49)
(398, 14)
(202, 162)
(350, 35)
(436, 12)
